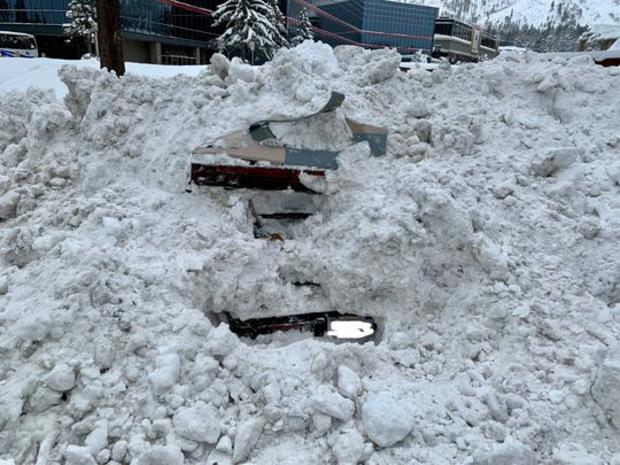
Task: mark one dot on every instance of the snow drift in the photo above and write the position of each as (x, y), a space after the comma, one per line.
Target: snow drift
(485, 242)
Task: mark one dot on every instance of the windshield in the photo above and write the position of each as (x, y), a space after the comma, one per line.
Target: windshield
(17, 42)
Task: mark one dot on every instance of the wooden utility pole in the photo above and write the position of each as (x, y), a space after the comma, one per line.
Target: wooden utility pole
(109, 36)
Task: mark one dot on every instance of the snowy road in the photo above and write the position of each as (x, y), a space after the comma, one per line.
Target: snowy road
(18, 74)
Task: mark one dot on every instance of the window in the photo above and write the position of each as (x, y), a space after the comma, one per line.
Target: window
(17, 42)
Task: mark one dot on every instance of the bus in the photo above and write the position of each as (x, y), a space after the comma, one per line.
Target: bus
(18, 44)
(459, 41)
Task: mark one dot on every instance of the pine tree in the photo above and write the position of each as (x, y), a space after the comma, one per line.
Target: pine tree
(304, 28)
(281, 39)
(247, 22)
(83, 16)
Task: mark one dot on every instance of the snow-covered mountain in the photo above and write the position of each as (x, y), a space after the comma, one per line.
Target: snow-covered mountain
(532, 12)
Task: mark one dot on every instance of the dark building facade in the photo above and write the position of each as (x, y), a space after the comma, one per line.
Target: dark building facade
(155, 31)
(369, 23)
(181, 31)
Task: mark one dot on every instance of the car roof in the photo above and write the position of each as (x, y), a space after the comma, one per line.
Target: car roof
(11, 33)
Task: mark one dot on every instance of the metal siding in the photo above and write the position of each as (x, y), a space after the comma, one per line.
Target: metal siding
(139, 18)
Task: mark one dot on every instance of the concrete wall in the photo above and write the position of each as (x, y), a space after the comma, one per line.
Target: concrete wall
(138, 52)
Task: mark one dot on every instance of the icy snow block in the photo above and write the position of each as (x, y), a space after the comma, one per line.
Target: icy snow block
(554, 160)
(246, 438)
(332, 403)
(349, 447)
(76, 455)
(61, 378)
(511, 452)
(577, 456)
(349, 384)
(162, 455)
(165, 376)
(199, 423)
(606, 388)
(386, 420)
(8, 205)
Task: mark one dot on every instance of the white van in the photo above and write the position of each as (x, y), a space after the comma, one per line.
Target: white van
(18, 44)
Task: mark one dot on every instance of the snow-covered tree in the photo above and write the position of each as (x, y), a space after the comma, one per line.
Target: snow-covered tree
(83, 17)
(304, 28)
(247, 22)
(281, 38)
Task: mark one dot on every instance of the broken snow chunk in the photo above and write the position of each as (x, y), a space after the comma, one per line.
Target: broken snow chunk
(61, 378)
(57, 183)
(43, 398)
(198, 423)
(184, 444)
(418, 109)
(497, 408)
(217, 457)
(511, 452)
(119, 450)
(221, 341)
(400, 340)
(104, 354)
(76, 455)
(566, 455)
(424, 130)
(589, 228)
(166, 374)
(349, 384)
(224, 445)
(220, 65)
(349, 448)
(333, 404)
(322, 423)
(103, 457)
(606, 388)
(272, 393)
(162, 455)
(239, 71)
(554, 160)
(98, 438)
(4, 285)
(5, 183)
(386, 420)
(246, 438)
(8, 205)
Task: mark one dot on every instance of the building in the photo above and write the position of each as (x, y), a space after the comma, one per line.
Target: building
(181, 31)
(155, 31)
(369, 23)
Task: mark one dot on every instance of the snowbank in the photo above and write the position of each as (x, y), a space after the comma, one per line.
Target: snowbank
(485, 243)
(18, 74)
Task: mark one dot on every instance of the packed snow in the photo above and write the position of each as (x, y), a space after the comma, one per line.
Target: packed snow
(485, 243)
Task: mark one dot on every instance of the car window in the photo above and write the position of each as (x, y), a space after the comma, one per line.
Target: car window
(17, 42)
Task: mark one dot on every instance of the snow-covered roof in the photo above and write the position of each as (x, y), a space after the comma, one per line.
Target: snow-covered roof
(603, 32)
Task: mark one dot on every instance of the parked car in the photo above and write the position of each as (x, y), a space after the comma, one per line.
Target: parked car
(18, 44)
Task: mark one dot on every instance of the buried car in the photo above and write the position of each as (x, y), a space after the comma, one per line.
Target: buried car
(254, 158)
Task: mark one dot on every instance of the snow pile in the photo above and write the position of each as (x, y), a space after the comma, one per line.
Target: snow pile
(485, 243)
